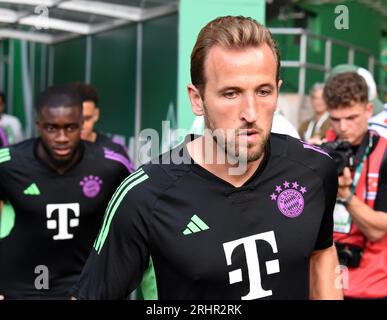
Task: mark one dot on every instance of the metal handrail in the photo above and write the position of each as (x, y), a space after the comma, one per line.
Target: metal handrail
(302, 61)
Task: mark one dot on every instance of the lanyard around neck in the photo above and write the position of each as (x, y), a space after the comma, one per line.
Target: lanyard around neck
(359, 168)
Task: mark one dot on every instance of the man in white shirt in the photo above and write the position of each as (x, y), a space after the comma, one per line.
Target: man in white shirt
(10, 124)
(379, 122)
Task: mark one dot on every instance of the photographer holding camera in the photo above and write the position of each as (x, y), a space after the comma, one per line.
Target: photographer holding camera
(361, 209)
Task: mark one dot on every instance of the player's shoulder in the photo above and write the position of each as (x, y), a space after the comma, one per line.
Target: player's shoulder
(160, 174)
(18, 154)
(302, 153)
(106, 141)
(99, 155)
(10, 119)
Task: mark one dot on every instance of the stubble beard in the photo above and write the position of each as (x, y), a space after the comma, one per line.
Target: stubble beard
(227, 140)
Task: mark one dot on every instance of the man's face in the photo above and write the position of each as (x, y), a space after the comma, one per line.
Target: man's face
(318, 102)
(351, 123)
(240, 96)
(90, 117)
(60, 131)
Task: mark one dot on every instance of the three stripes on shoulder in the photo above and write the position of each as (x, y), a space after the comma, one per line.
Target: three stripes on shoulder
(5, 155)
(129, 183)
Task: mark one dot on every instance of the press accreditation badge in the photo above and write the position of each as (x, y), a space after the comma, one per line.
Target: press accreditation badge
(342, 219)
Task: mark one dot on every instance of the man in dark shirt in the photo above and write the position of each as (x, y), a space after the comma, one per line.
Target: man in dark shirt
(59, 187)
(256, 226)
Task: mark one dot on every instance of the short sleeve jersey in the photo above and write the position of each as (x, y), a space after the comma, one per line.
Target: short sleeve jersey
(56, 217)
(206, 239)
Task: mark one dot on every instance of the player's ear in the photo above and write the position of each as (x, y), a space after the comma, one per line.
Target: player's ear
(38, 125)
(196, 100)
(369, 109)
(96, 114)
(279, 85)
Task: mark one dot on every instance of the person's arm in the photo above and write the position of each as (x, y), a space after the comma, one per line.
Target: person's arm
(324, 267)
(372, 223)
(324, 274)
(1, 207)
(120, 254)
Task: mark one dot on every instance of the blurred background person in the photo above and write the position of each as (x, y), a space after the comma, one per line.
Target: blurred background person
(91, 114)
(378, 121)
(9, 123)
(59, 187)
(313, 131)
(3, 138)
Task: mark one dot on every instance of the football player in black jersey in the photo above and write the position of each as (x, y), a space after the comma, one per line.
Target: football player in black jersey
(91, 115)
(195, 229)
(58, 187)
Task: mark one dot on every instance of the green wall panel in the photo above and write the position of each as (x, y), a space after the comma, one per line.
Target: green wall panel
(358, 34)
(69, 63)
(18, 101)
(159, 71)
(113, 73)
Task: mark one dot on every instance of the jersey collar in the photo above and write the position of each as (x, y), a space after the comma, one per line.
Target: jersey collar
(226, 186)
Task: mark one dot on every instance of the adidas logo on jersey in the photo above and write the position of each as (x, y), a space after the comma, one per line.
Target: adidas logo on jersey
(195, 225)
(32, 190)
(5, 155)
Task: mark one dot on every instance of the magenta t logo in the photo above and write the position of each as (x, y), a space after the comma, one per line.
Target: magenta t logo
(250, 246)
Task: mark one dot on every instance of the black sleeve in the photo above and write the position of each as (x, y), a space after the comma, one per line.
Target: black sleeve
(120, 254)
(381, 198)
(2, 191)
(330, 186)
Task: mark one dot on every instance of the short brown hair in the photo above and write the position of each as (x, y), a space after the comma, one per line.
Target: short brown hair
(229, 32)
(87, 92)
(344, 89)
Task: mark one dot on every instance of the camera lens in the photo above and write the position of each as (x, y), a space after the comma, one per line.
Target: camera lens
(345, 257)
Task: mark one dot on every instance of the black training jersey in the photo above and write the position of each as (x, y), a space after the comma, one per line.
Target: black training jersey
(207, 239)
(57, 217)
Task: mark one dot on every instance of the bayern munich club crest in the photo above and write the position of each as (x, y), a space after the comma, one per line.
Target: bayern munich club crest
(290, 198)
(91, 186)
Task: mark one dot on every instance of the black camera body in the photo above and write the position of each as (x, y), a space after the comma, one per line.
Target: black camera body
(349, 254)
(341, 153)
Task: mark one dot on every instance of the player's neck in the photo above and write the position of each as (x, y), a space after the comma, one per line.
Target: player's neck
(222, 169)
(92, 137)
(60, 168)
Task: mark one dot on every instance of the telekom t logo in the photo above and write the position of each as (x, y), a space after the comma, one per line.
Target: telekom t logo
(62, 222)
(250, 247)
